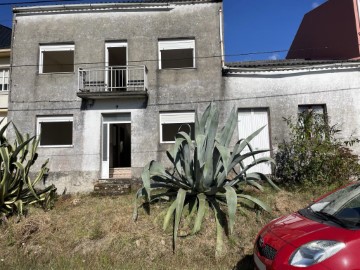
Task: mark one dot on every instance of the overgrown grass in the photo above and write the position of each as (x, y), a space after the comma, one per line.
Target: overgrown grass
(87, 232)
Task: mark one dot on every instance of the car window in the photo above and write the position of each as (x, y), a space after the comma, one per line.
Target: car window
(343, 203)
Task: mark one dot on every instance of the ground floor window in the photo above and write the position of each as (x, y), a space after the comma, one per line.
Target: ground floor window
(173, 122)
(313, 119)
(318, 109)
(55, 130)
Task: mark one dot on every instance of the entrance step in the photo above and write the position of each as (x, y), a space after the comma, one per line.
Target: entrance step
(112, 187)
(120, 173)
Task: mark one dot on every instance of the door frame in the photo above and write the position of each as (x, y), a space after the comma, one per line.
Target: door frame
(113, 45)
(105, 126)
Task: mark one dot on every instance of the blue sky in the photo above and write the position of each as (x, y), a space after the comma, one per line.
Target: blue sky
(251, 26)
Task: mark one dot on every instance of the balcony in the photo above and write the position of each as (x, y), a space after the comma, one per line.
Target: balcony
(112, 82)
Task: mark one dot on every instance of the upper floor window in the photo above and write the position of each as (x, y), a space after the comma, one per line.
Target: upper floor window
(177, 53)
(4, 79)
(56, 58)
(174, 122)
(55, 131)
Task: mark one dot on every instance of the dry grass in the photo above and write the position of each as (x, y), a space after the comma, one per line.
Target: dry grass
(86, 232)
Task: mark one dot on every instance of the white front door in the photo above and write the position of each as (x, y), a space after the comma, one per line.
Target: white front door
(110, 158)
(250, 120)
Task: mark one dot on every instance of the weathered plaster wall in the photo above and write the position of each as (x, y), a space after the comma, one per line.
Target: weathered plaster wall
(34, 94)
(282, 91)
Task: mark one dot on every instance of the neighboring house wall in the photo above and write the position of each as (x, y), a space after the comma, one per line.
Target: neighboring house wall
(330, 31)
(281, 91)
(4, 83)
(34, 96)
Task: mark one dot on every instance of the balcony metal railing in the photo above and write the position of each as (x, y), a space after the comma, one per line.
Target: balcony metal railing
(113, 78)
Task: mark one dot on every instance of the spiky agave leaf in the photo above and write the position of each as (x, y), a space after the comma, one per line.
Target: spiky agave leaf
(201, 197)
(17, 189)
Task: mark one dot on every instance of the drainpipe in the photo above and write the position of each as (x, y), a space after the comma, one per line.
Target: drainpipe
(222, 38)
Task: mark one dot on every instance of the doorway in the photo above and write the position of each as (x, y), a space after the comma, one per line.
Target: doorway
(115, 66)
(120, 141)
(250, 120)
(116, 145)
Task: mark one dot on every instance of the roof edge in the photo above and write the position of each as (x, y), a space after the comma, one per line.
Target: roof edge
(118, 5)
(284, 65)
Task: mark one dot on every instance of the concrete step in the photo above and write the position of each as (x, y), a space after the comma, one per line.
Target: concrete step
(112, 187)
(121, 173)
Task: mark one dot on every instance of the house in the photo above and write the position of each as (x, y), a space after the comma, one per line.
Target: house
(321, 73)
(267, 91)
(5, 44)
(108, 85)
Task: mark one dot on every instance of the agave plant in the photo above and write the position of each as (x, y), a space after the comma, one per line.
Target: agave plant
(200, 176)
(17, 189)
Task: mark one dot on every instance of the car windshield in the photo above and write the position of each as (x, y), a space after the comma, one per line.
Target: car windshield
(343, 206)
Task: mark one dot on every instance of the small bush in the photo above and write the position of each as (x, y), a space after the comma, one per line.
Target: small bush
(314, 154)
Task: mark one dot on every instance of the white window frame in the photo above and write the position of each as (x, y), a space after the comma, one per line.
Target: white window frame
(174, 45)
(175, 118)
(53, 48)
(2, 78)
(52, 119)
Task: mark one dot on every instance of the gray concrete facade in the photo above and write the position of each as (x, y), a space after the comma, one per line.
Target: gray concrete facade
(275, 88)
(141, 26)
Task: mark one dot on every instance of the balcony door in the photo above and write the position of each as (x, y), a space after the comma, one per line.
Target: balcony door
(115, 66)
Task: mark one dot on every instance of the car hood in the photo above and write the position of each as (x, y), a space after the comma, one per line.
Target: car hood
(297, 230)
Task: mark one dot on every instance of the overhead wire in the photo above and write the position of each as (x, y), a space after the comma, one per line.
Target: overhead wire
(43, 1)
(177, 59)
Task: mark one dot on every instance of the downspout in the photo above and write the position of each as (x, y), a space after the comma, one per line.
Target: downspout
(356, 4)
(222, 38)
(14, 21)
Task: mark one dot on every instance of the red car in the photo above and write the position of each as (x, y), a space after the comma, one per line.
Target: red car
(325, 235)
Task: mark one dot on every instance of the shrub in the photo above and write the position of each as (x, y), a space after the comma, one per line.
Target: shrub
(200, 176)
(314, 154)
(17, 189)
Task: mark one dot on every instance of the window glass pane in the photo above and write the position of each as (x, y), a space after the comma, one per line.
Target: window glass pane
(318, 109)
(105, 142)
(4, 80)
(179, 58)
(170, 130)
(58, 61)
(56, 133)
